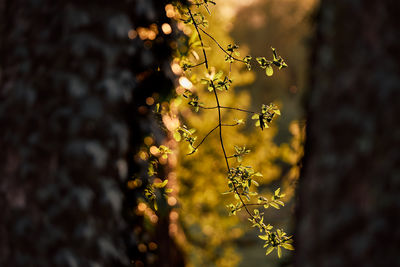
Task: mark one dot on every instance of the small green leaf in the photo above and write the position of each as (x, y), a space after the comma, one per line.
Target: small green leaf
(261, 60)
(276, 206)
(150, 170)
(177, 136)
(269, 250)
(161, 185)
(274, 53)
(255, 183)
(269, 70)
(196, 44)
(277, 191)
(218, 75)
(279, 232)
(263, 237)
(239, 121)
(192, 38)
(155, 205)
(287, 246)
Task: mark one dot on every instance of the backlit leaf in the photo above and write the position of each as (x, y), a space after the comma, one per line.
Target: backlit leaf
(269, 70)
(269, 250)
(287, 246)
(161, 185)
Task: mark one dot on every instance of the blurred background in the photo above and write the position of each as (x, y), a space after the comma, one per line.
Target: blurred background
(91, 97)
(78, 92)
(208, 236)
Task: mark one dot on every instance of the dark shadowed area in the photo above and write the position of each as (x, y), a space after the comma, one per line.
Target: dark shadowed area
(82, 84)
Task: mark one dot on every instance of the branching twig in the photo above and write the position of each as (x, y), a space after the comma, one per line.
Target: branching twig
(194, 66)
(223, 49)
(225, 156)
(219, 124)
(204, 138)
(219, 107)
(201, 41)
(224, 124)
(238, 109)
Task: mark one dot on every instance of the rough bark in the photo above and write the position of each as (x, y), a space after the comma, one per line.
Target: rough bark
(69, 92)
(349, 192)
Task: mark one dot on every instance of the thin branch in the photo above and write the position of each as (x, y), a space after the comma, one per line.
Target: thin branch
(207, 107)
(226, 158)
(223, 49)
(254, 204)
(204, 138)
(251, 204)
(220, 124)
(201, 41)
(238, 109)
(236, 124)
(219, 107)
(194, 66)
(206, 6)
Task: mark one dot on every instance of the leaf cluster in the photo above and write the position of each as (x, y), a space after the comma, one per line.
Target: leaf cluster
(241, 179)
(150, 192)
(267, 64)
(264, 118)
(215, 81)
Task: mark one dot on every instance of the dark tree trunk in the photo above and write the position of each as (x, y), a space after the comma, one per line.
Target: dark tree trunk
(349, 192)
(71, 82)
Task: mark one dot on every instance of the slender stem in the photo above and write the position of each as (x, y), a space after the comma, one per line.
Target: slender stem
(251, 204)
(219, 107)
(224, 124)
(220, 125)
(207, 107)
(226, 158)
(194, 66)
(206, 6)
(238, 109)
(201, 41)
(204, 138)
(255, 204)
(226, 52)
